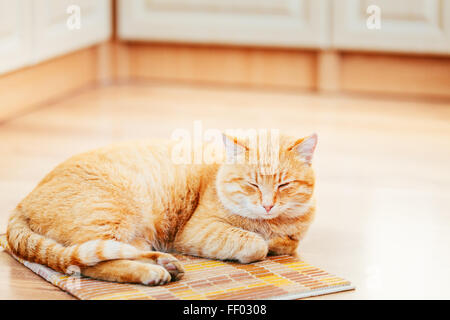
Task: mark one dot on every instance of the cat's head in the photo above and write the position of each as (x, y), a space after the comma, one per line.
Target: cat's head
(267, 180)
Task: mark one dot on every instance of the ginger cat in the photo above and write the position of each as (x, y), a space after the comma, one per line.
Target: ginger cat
(105, 211)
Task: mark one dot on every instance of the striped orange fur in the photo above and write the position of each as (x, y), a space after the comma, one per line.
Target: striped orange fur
(115, 213)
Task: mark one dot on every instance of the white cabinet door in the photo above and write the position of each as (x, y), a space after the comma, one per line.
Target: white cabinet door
(51, 34)
(291, 23)
(15, 34)
(418, 26)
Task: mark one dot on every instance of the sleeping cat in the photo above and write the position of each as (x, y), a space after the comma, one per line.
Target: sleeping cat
(115, 212)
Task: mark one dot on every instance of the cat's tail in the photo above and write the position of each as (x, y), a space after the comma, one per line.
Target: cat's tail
(34, 247)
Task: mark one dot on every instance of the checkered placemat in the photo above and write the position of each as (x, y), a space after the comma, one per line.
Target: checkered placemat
(277, 277)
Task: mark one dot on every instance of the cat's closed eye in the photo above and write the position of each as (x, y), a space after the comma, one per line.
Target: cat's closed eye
(253, 185)
(283, 185)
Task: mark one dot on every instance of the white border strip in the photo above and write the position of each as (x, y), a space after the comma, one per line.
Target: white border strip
(319, 292)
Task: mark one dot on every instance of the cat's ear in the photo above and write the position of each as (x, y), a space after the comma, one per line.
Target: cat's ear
(304, 148)
(234, 149)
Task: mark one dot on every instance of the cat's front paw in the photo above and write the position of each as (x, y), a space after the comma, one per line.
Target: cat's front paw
(255, 250)
(283, 245)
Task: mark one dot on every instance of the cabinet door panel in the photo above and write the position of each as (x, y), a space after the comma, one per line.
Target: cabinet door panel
(15, 34)
(419, 26)
(295, 23)
(51, 34)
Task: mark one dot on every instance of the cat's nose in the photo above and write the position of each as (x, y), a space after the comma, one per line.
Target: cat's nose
(268, 208)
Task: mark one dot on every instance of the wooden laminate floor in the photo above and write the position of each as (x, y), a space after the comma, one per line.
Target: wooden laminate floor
(383, 173)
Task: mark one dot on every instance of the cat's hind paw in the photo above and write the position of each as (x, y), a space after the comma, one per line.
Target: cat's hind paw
(165, 260)
(155, 275)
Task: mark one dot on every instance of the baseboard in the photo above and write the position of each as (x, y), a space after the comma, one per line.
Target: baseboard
(227, 65)
(395, 74)
(321, 71)
(32, 86)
